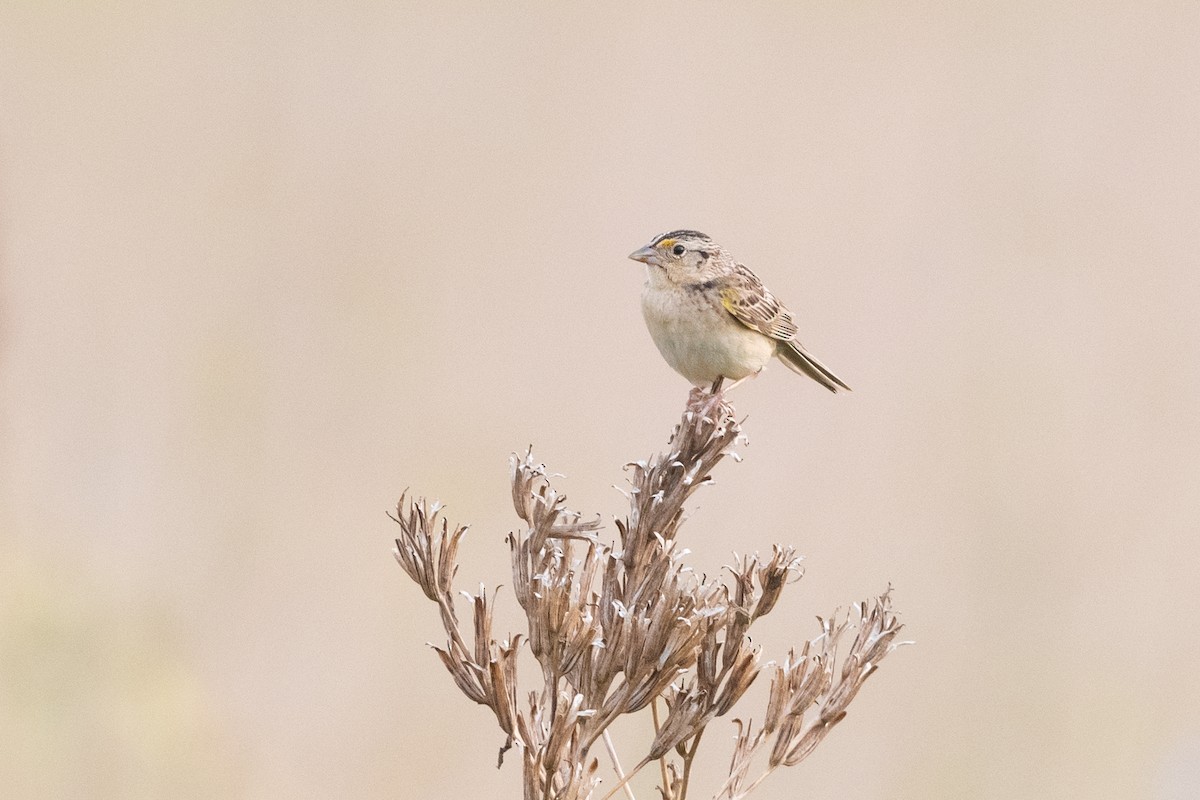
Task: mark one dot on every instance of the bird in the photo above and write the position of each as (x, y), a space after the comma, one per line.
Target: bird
(713, 319)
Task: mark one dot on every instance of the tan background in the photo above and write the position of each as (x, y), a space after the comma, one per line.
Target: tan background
(264, 266)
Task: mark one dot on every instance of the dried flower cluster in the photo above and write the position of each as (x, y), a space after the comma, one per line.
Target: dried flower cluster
(618, 629)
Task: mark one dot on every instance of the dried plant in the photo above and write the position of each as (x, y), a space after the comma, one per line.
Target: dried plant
(619, 628)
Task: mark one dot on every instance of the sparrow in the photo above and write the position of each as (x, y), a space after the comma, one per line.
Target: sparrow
(711, 317)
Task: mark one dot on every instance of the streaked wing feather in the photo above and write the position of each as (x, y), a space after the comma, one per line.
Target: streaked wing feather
(754, 306)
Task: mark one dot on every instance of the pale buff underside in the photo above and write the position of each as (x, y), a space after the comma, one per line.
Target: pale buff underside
(699, 338)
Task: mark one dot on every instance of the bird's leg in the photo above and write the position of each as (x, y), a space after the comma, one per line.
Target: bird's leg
(716, 385)
(730, 387)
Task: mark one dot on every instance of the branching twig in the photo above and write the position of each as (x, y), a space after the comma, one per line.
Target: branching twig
(612, 753)
(617, 627)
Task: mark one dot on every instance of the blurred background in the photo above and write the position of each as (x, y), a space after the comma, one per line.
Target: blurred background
(265, 265)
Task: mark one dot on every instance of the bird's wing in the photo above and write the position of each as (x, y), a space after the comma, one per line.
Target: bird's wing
(745, 297)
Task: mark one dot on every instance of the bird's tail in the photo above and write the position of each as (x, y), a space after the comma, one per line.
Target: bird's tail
(798, 360)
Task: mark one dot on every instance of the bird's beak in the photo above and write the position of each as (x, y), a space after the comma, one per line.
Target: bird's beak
(647, 255)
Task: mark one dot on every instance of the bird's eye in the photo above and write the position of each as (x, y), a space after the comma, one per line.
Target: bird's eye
(678, 249)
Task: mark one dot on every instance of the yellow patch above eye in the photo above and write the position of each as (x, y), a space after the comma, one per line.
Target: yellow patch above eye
(665, 243)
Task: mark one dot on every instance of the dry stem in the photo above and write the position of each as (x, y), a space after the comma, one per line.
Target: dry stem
(615, 627)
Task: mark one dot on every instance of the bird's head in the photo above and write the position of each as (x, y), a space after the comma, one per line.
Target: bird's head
(683, 257)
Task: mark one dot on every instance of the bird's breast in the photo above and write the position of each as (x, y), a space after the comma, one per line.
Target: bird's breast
(699, 338)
